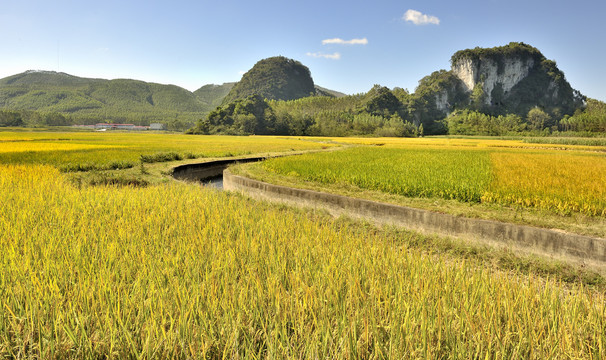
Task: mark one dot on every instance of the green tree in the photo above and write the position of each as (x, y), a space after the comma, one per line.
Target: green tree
(177, 125)
(245, 123)
(380, 101)
(592, 118)
(202, 127)
(56, 119)
(10, 118)
(509, 123)
(478, 97)
(537, 119)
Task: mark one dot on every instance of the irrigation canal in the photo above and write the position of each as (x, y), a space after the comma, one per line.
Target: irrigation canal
(214, 182)
(209, 173)
(572, 248)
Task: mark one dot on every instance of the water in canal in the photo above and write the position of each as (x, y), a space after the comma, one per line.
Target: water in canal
(214, 182)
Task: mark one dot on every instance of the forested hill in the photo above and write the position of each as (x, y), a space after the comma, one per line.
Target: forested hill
(275, 78)
(87, 100)
(212, 94)
(496, 91)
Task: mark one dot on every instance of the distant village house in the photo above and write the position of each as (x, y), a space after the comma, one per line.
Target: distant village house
(157, 126)
(115, 126)
(130, 127)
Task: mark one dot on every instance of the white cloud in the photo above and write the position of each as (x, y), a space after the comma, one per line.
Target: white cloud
(362, 41)
(333, 56)
(417, 18)
(241, 72)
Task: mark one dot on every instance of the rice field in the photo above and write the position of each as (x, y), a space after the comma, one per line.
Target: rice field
(561, 182)
(491, 142)
(174, 270)
(469, 170)
(180, 271)
(71, 151)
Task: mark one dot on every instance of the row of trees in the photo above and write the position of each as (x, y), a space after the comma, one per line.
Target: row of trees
(28, 118)
(591, 119)
(33, 118)
(469, 122)
(378, 113)
(385, 112)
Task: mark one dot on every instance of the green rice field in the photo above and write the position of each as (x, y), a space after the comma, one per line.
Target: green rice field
(560, 181)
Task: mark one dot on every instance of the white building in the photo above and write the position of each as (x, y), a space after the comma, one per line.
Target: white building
(115, 126)
(156, 126)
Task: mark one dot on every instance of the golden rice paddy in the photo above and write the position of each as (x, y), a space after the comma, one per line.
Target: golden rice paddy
(180, 271)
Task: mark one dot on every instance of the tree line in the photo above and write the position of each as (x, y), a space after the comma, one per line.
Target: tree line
(29, 118)
(17, 118)
(385, 112)
(380, 112)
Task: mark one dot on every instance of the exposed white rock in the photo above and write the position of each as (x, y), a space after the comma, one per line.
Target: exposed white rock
(472, 72)
(466, 70)
(442, 101)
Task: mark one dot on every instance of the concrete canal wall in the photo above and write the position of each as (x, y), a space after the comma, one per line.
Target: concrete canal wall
(578, 249)
(209, 169)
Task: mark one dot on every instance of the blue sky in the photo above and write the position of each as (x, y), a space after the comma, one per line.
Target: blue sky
(193, 43)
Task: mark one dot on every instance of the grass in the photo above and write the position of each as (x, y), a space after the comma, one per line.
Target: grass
(557, 181)
(165, 156)
(176, 270)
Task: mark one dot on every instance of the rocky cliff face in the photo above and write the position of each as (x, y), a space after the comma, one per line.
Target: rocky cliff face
(510, 79)
(490, 74)
(442, 103)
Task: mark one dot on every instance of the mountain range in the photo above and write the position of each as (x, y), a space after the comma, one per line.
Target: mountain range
(507, 80)
(89, 100)
(487, 91)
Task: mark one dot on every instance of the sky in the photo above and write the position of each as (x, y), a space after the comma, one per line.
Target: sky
(349, 46)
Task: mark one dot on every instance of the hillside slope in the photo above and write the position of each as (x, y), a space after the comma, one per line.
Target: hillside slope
(213, 95)
(89, 100)
(275, 78)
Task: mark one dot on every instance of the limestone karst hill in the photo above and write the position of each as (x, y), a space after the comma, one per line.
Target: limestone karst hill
(509, 79)
(275, 78)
